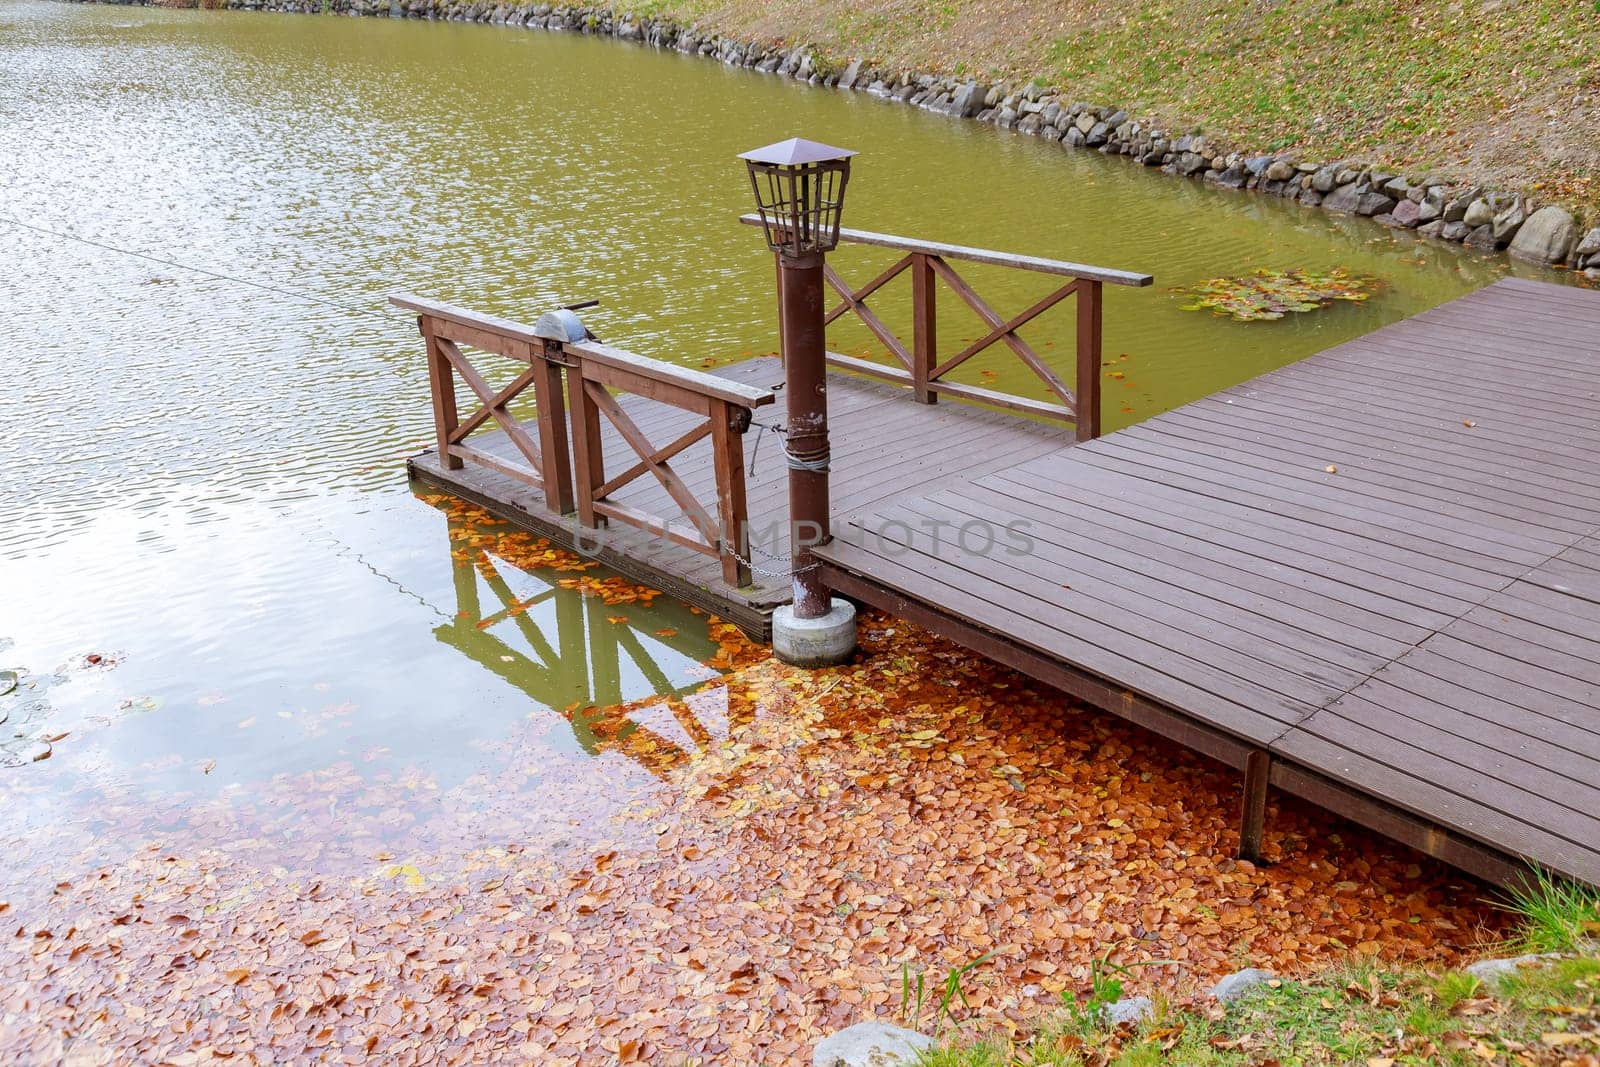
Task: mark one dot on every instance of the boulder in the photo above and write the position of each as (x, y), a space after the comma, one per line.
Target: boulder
(1280, 171)
(1546, 237)
(1099, 134)
(1432, 229)
(1189, 162)
(871, 1045)
(1509, 220)
(1345, 199)
(1129, 1010)
(851, 73)
(1233, 177)
(1237, 984)
(1491, 971)
(1375, 204)
(1455, 231)
(1086, 121)
(1478, 213)
(1407, 213)
(1322, 180)
(1590, 245)
(1482, 237)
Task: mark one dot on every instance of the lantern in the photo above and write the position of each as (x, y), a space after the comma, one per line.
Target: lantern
(799, 187)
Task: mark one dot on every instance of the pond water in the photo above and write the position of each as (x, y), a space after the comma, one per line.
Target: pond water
(213, 575)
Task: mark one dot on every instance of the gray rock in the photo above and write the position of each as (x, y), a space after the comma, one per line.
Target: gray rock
(1322, 181)
(1129, 1010)
(1509, 220)
(1116, 118)
(1407, 213)
(1493, 970)
(1593, 274)
(1075, 137)
(1233, 177)
(1429, 211)
(1099, 134)
(1345, 199)
(1310, 197)
(1239, 983)
(1478, 213)
(1590, 245)
(871, 1045)
(1375, 204)
(1482, 237)
(1280, 171)
(1086, 121)
(1546, 237)
(852, 73)
(1189, 162)
(1434, 228)
(1257, 165)
(1398, 188)
(1455, 231)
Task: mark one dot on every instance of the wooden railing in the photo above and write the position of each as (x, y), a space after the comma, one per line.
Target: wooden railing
(445, 329)
(595, 370)
(570, 470)
(921, 367)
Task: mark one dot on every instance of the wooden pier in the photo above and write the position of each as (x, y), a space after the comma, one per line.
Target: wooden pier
(1370, 579)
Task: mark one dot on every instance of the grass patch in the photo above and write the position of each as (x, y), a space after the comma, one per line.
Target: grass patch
(1556, 915)
(1359, 1013)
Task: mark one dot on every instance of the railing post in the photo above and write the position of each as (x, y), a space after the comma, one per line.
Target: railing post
(924, 329)
(1087, 394)
(442, 384)
(728, 423)
(550, 410)
(588, 455)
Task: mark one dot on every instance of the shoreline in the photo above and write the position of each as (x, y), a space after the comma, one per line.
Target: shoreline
(1508, 222)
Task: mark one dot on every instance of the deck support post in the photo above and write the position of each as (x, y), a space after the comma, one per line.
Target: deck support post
(1253, 818)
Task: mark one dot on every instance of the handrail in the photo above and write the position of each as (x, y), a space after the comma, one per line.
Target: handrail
(984, 255)
(918, 364)
(459, 316)
(671, 374)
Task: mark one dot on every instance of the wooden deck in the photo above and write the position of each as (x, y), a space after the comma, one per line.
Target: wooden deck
(1371, 578)
(884, 445)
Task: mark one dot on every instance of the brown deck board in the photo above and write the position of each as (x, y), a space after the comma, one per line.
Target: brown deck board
(1415, 638)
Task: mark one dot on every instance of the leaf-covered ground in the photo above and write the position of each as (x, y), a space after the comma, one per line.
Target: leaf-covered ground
(921, 807)
(1503, 91)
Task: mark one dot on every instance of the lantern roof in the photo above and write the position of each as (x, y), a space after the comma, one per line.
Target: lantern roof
(796, 151)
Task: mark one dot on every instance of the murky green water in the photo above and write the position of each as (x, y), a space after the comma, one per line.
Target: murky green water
(203, 448)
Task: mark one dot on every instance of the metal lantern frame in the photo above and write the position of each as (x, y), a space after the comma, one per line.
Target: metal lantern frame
(799, 187)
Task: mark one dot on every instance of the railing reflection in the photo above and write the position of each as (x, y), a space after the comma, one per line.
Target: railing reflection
(618, 672)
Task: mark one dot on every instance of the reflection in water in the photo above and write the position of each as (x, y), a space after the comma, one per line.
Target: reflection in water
(581, 652)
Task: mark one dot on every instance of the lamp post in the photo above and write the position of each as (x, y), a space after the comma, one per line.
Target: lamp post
(799, 189)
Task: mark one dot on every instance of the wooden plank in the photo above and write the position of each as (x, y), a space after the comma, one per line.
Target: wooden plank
(462, 317)
(671, 375)
(1239, 688)
(982, 255)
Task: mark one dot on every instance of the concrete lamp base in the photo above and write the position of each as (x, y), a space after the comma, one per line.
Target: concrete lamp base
(825, 642)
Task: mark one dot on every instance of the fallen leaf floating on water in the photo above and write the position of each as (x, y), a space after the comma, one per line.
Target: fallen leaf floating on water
(1270, 294)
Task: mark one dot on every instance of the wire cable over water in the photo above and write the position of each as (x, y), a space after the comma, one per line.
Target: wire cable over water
(312, 298)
